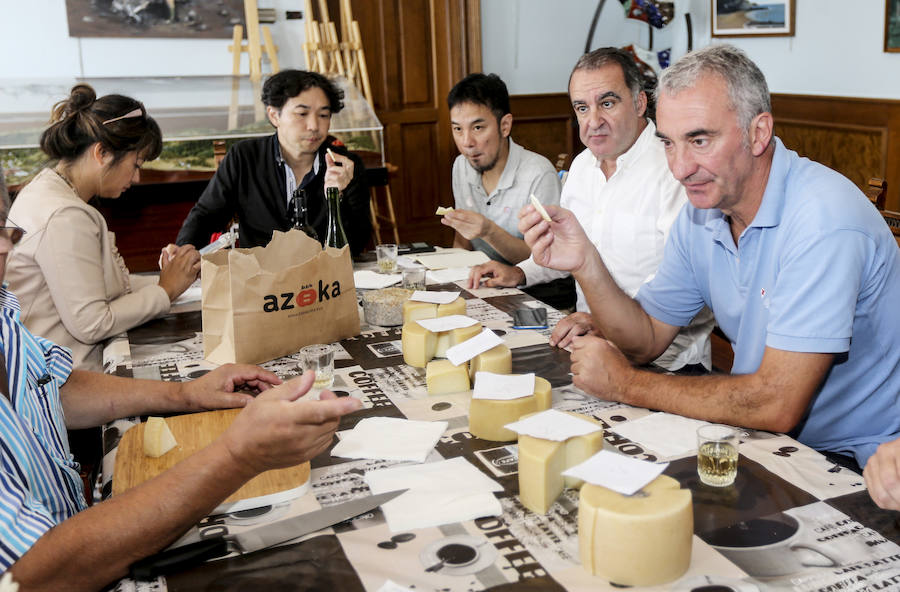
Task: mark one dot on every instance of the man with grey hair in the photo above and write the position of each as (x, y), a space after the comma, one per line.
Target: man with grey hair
(800, 270)
(622, 194)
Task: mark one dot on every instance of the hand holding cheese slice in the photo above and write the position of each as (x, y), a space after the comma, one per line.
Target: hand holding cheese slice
(540, 208)
(541, 463)
(158, 438)
(639, 540)
(488, 416)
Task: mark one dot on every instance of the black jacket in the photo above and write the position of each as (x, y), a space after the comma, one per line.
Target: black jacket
(250, 184)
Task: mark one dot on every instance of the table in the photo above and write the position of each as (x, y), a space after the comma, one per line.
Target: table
(518, 550)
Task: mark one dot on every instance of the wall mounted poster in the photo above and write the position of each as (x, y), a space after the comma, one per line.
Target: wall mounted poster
(203, 19)
(743, 18)
(892, 25)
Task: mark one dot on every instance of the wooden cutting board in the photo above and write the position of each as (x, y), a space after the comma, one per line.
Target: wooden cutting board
(193, 432)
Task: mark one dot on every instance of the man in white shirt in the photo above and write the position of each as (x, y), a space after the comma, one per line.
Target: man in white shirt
(622, 193)
(493, 176)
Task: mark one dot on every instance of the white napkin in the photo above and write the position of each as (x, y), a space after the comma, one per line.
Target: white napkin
(390, 438)
(553, 425)
(434, 297)
(439, 493)
(468, 349)
(502, 387)
(666, 434)
(460, 258)
(391, 586)
(446, 276)
(366, 279)
(616, 471)
(447, 323)
(192, 294)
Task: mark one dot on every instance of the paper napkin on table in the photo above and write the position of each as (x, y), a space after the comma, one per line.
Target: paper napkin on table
(366, 279)
(446, 276)
(468, 349)
(447, 323)
(616, 471)
(553, 425)
(502, 387)
(439, 493)
(666, 434)
(452, 258)
(434, 297)
(390, 438)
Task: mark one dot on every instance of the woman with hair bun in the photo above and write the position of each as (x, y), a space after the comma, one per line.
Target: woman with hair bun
(72, 283)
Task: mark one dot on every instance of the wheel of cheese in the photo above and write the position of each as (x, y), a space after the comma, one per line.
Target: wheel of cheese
(447, 339)
(541, 463)
(639, 540)
(488, 416)
(497, 360)
(418, 344)
(442, 377)
(414, 311)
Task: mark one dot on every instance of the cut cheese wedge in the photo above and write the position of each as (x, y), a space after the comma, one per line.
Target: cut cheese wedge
(639, 540)
(442, 210)
(488, 416)
(447, 339)
(541, 463)
(418, 344)
(158, 438)
(497, 360)
(414, 310)
(442, 377)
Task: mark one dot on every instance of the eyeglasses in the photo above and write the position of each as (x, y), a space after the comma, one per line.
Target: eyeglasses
(12, 233)
(133, 113)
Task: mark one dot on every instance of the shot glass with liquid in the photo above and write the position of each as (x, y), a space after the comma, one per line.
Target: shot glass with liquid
(717, 454)
(386, 255)
(320, 359)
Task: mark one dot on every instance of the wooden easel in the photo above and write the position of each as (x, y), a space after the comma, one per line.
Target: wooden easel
(254, 49)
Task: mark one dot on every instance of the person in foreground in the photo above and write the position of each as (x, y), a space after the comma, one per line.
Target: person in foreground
(493, 177)
(623, 195)
(800, 270)
(49, 539)
(882, 475)
(258, 177)
(73, 284)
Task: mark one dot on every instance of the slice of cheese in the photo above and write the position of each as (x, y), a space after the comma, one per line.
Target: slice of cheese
(639, 540)
(457, 307)
(488, 416)
(414, 310)
(540, 208)
(418, 344)
(447, 339)
(541, 463)
(442, 377)
(497, 360)
(158, 438)
(442, 210)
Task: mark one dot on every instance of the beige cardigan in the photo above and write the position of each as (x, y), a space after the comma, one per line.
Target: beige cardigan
(71, 282)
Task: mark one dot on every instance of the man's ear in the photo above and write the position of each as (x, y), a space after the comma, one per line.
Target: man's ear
(273, 114)
(760, 133)
(506, 125)
(642, 104)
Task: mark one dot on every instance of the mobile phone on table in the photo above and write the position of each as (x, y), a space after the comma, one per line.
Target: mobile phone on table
(530, 318)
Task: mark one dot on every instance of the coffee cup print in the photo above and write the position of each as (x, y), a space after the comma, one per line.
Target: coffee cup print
(770, 546)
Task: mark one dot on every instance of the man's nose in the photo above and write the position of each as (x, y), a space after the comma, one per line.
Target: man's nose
(468, 138)
(681, 163)
(595, 119)
(311, 123)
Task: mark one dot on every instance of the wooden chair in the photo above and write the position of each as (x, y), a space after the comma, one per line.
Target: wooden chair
(876, 191)
(893, 222)
(379, 180)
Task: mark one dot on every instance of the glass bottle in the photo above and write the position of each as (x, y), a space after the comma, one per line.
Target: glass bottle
(335, 235)
(301, 222)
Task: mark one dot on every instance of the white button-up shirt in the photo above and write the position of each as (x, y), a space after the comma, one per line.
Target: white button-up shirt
(628, 217)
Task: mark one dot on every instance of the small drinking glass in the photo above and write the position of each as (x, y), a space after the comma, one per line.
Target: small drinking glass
(387, 258)
(320, 359)
(414, 277)
(717, 454)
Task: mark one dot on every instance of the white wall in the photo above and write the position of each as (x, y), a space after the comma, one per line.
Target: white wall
(837, 49)
(35, 43)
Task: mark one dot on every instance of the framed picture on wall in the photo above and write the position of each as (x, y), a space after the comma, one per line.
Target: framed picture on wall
(763, 18)
(892, 25)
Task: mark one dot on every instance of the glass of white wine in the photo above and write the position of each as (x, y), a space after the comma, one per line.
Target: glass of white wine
(717, 454)
(320, 359)
(386, 254)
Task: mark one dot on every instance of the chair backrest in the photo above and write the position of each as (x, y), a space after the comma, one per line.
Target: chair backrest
(876, 191)
(893, 221)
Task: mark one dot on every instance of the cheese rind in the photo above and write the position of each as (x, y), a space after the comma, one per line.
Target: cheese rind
(418, 344)
(457, 307)
(442, 377)
(414, 310)
(158, 438)
(636, 540)
(541, 463)
(488, 416)
(497, 360)
(447, 339)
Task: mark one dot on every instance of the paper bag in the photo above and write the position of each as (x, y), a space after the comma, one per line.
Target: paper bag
(267, 302)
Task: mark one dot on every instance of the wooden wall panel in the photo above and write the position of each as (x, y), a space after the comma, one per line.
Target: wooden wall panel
(545, 124)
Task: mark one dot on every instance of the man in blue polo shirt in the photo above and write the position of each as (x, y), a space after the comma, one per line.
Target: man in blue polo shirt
(800, 270)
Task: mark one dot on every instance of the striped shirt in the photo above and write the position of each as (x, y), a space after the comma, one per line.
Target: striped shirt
(39, 481)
